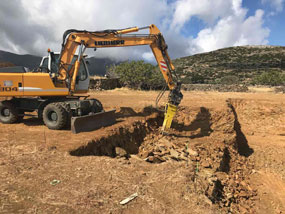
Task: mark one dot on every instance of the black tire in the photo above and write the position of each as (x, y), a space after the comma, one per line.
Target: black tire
(41, 109)
(68, 110)
(8, 112)
(55, 116)
(96, 106)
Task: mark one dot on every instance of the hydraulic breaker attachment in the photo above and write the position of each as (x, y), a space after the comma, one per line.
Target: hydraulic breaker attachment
(170, 111)
(93, 121)
(174, 99)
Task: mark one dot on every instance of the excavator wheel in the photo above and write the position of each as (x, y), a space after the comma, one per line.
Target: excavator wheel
(55, 116)
(8, 112)
(68, 111)
(41, 110)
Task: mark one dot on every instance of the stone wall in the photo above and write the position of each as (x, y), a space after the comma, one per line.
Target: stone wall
(104, 84)
(216, 87)
(279, 89)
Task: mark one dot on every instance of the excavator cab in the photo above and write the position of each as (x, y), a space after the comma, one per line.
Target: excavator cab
(49, 64)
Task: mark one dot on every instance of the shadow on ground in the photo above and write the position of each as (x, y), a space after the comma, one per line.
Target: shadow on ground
(241, 141)
(201, 122)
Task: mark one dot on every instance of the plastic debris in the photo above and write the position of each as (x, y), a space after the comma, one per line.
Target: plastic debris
(54, 182)
(128, 199)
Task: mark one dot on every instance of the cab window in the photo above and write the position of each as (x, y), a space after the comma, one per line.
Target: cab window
(82, 73)
(54, 63)
(44, 65)
(45, 62)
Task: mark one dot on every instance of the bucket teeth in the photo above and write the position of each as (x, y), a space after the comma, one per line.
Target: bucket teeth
(92, 122)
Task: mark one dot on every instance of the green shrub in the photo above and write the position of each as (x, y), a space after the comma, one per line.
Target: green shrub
(197, 78)
(229, 80)
(272, 78)
(138, 75)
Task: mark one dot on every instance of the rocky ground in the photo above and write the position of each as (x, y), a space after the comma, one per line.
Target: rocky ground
(224, 154)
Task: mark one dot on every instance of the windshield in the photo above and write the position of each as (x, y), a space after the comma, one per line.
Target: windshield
(82, 73)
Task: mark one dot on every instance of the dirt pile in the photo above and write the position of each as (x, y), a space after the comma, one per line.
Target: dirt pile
(210, 142)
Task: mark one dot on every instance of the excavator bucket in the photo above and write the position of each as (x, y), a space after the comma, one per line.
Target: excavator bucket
(92, 122)
(170, 111)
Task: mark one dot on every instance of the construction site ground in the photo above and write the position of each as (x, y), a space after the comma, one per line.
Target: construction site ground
(224, 154)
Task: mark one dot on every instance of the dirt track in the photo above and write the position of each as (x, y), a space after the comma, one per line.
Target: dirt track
(224, 154)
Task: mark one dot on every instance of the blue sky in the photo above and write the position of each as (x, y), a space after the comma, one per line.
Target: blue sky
(273, 20)
(276, 26)
(189, 26)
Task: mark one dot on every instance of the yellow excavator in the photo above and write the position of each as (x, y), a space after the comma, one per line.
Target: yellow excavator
(57, 90)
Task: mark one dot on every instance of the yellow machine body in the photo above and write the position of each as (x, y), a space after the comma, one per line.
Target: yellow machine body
(29, 84)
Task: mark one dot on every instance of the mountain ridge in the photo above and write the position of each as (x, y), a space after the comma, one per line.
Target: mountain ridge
(97, 66)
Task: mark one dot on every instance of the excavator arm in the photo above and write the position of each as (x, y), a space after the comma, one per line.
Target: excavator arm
(74, 39)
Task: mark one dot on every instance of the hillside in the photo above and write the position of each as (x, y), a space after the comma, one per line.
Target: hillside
(234, 65)
(28, 61)
(97, 66)
(231, 65)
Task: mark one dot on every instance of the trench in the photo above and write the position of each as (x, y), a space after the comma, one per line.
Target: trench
(234, 169)
(221, 164)
(241, 141)
(129, 139)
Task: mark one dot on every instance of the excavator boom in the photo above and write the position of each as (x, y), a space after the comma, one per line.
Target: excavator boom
(73, 39)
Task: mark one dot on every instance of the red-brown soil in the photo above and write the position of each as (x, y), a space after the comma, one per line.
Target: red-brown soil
(224, 154)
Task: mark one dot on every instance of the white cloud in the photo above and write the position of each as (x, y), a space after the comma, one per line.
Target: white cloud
(277, 5)
(207, 10)
(148, 56)
(226, 22)
(231, 31)
(32, 26)
(54, 17)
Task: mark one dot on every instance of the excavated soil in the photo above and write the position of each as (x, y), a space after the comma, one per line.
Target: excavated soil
(224, 154)
(210, 143)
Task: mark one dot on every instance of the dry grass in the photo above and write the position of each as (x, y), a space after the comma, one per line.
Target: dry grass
(261, 89)
(97, 77)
